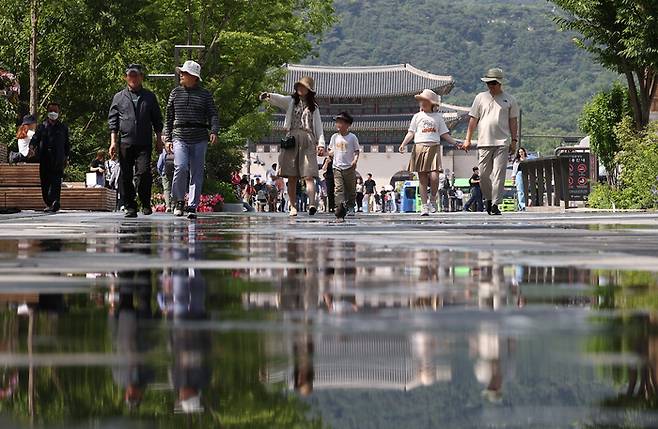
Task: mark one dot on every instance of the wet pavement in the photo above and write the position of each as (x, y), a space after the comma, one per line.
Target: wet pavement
(456, 321)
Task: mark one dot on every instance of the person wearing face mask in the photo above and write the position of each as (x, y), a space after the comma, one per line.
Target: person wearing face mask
(51, 142)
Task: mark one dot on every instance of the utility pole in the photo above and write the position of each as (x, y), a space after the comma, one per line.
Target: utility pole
(34, 86)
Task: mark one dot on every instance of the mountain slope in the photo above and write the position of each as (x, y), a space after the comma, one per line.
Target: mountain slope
(549, 75)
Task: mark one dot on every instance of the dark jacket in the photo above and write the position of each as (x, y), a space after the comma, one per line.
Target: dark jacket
(135, 126)
(190, 113)
(51, 142)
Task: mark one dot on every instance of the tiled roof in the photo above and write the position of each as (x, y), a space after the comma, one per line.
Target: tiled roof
(373, 82)
(400, 122)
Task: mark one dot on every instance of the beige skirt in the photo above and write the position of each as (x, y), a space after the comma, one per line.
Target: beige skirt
(301, 160)
(425, 158)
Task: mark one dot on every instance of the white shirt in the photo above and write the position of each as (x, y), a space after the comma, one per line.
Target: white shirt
(270, 175)
(494, 114)
(24, 144)
(428, 128)
(344, 148)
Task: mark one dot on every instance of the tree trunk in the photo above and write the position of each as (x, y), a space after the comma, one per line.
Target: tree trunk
(636, 105)
(34, 87)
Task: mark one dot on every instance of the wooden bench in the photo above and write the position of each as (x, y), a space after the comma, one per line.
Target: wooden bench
(29, 198)
(19, 175)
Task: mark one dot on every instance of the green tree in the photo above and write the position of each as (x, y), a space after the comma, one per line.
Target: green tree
(599, 118)
(623, 36)
(84, 46)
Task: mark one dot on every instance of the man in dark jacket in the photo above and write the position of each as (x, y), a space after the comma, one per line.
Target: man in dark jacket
(134, 116)
(191, 112)
(51, 142)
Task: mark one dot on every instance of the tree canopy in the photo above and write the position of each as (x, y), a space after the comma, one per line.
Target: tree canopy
(85, 45)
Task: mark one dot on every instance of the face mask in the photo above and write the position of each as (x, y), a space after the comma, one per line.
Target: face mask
(53, 116)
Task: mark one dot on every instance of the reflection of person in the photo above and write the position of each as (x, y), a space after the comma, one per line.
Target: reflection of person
(130, 337)
(427, 128)
(492, 364)
(303, 122)
(495, 115)
(52, 140)
(303, 371)
(133, 117)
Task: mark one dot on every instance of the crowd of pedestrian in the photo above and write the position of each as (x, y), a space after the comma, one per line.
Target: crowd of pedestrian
(298, 182)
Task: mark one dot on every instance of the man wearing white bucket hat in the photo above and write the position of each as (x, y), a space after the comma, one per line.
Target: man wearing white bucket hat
(191, 112)
(427, 128)
(495, 114)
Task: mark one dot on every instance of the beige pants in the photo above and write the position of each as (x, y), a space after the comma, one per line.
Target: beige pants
(345, 187)
(493, 167)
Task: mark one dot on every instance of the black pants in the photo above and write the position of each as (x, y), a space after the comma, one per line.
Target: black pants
(331, 190)
(135, 162)
(51, 176)
(359, 201)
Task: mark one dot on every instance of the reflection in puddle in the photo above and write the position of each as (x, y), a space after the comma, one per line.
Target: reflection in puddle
(314, 332)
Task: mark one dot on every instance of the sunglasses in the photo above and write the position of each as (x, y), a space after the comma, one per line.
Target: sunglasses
(493, 83)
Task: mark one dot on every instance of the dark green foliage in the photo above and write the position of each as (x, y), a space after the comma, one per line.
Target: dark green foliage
(547, 73)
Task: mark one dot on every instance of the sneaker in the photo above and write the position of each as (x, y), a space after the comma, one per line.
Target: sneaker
(147, 211)
(191, 212)
(341, 211)
(432, 206)
(351, 213)
(425, 210)
(293, 212)
(495, 211)
(178, 209)
(130, 214)
(48, 210)
(312, 210)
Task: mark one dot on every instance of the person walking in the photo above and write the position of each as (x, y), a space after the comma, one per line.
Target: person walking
(359, 194)
(191, 112)
(371, 190)
(134, 116)
(51, 142)
(306, 137)
(427, 128)
(517, 177)
(495, 115)
(165, 168)
(344, 151)
(476, 192)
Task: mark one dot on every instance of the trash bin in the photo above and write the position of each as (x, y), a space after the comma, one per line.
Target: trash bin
(409, 196)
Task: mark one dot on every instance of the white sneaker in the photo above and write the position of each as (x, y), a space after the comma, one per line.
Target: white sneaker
(425, 211)
(293, 212)
(432, 206)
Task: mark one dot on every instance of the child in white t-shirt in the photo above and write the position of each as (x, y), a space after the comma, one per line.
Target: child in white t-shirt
(427, 128)
(344, 149)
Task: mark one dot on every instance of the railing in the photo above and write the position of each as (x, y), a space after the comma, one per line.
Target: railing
(564, 177)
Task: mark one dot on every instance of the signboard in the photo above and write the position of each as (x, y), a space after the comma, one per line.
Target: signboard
(579, 176)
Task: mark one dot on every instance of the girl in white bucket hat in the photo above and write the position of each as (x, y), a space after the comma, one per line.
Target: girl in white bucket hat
(427, 128)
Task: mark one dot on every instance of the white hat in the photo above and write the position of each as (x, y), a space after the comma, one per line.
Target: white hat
(493, 75)
(430, 96)
(191, 67)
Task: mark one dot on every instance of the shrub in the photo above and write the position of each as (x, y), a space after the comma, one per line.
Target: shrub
(224, 189)
(638, 180)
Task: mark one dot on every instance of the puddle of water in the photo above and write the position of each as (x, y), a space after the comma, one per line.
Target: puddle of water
(237, 323)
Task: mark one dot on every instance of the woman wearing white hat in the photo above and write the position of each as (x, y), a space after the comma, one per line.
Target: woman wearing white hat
(427, 128)
(305, 139)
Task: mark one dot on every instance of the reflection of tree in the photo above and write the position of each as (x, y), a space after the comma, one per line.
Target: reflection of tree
(638, 335)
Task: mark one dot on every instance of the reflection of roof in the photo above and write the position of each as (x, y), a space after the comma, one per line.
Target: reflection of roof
(371, 82)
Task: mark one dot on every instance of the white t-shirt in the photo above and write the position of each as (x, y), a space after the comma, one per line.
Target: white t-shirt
(270, 176)
(24, 144)
(345, 149)
(428, 128)
(494, 114)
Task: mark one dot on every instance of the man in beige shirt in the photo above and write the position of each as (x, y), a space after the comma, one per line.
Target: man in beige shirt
(495, 115)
